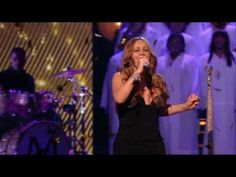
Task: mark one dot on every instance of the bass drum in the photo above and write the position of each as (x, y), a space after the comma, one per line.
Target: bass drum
(36, 138)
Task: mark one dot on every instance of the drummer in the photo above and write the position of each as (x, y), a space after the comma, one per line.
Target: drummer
(15, 77)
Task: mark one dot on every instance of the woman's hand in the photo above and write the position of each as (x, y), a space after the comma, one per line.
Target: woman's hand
(192, 101)
(142, 62)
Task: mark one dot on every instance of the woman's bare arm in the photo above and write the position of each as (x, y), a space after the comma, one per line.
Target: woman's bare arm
(120, 89)
(191, 103)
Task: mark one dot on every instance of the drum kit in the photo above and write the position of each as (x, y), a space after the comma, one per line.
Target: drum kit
(30, 125)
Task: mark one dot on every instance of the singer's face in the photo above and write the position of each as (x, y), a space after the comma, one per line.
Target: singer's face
(140, 50)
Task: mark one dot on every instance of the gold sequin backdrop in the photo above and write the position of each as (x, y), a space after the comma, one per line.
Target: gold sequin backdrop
(51, 48)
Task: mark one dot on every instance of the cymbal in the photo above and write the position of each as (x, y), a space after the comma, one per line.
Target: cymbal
(69, 72)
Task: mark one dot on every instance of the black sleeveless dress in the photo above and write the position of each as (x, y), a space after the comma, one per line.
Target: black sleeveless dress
(138, 132)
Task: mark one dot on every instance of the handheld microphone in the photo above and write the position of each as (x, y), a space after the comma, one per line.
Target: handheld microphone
(147, 76)
(145, 67)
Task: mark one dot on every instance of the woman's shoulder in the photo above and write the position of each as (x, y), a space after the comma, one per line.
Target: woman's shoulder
(117, 74)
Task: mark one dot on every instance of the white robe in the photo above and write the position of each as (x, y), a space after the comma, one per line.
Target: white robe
(194, 29)
(150, 34)
(160, 28)
(180, 130)
(192, 47)
(224, 102)
(206, 25)
(206, 35)
(107, 101)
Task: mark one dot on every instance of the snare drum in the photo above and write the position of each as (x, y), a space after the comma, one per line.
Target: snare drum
(45, 138)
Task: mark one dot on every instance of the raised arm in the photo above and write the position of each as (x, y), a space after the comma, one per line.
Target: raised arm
(120, 89)
(192, 102)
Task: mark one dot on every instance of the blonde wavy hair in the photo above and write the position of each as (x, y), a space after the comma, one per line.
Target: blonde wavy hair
(159, 90)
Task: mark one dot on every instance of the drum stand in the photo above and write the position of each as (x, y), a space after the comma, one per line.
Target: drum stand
(71, 109)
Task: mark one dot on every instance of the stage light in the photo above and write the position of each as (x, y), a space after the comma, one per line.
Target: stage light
(55, 32)
(40, 83)
(74, 52)
(69, 41)
(49, 67)
(202, 122)
(2, 25)
(42, 40)
(118, 24)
